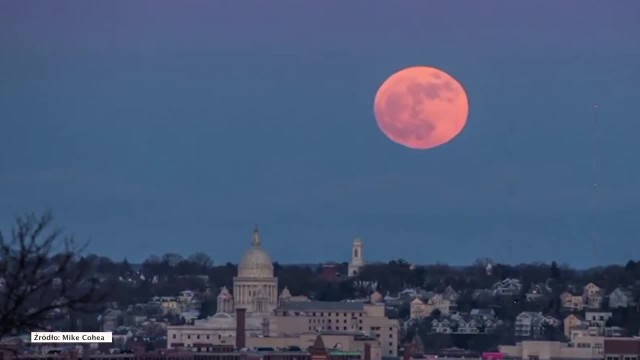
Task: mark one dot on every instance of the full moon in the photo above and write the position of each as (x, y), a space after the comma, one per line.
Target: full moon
(421, 107)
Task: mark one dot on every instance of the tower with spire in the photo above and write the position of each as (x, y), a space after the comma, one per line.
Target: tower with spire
(357, 260)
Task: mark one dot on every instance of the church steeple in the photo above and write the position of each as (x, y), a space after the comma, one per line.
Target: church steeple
(255, 241)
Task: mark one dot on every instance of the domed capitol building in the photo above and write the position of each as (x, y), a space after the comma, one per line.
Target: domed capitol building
(255, 288)
(256, 312)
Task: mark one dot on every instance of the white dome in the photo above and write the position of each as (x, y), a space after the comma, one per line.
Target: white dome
(256, 263)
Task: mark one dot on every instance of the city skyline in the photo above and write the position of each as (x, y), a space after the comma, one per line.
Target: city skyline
(174, 129)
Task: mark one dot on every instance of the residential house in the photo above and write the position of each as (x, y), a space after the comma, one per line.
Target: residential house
(571, 301)
(571, 322)
(529, 324)
(417, 309)
(468, 327)
(483, 314)
(420, 309)
(620, 298)
(595, 343)
(189, 300)
(532, 324)
(583, 330)
(168, 304)
(458, 324)
(442, 326)
(440, 303)
(597, 319)
(450, 294)
(491, 325)
(614, 331)
(593, 296)
(507, 287)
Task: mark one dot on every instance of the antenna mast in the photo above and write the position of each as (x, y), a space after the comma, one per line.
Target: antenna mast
(511, 181)
(595, 184)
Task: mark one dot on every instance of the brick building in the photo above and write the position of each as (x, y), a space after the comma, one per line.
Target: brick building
(622, 349)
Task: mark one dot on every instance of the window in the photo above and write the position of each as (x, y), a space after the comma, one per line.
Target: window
(188, 336)
(174, 336)
(390, 344)
(198, 337)
(390, 329)
(390, 336)
(390, 352)
(345, 328)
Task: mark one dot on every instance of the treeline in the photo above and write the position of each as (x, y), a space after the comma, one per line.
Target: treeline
(169, 274)
(391, 277)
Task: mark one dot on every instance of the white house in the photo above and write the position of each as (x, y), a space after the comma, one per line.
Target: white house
(531, 324)
(484, 314)
(597, 319)
(620, 298)
(507, 287)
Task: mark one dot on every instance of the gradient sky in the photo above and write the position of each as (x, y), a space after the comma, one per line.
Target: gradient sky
(163, 126)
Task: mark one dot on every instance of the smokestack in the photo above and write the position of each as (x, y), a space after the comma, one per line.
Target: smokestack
(240, 328)
(367, 351)
(408, 351)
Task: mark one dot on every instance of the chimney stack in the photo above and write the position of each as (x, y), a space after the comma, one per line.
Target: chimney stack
(367, 351)
(408, 351)
(240, 328)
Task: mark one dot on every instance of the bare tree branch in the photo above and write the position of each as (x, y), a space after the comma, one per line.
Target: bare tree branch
(41, 274)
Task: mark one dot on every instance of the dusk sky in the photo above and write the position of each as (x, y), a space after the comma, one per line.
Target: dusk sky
(150, 127)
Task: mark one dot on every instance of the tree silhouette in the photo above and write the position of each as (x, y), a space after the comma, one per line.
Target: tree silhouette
(41, 275)
(555, 271)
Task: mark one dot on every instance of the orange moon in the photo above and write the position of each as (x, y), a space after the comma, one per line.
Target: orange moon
(421, 107)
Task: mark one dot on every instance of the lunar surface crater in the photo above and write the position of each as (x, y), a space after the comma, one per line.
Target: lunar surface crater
(421, 107)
